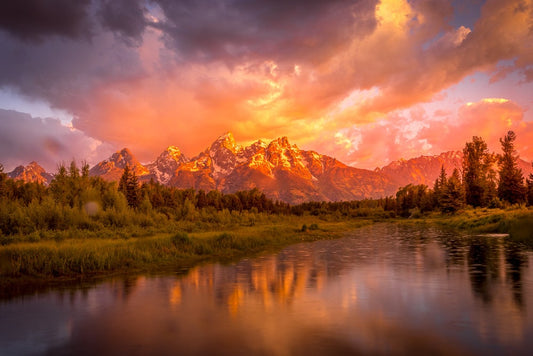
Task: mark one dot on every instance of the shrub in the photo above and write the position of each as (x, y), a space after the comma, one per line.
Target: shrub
(181, 239)
(224, 240)
(415, 213)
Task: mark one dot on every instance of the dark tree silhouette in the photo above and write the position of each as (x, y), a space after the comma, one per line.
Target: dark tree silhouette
(478, 175)
(452, 195)
(511, 180)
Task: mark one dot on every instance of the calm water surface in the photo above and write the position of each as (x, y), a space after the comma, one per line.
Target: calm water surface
(385, 289)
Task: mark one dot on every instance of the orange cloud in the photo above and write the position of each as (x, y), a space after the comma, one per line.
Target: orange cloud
(308, 78)
(414, 133)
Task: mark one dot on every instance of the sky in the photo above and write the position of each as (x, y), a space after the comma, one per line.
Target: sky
(364, 81)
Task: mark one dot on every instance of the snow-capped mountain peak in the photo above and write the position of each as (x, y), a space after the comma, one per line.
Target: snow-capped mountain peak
(163, 168)
(112, 168)
(33, 172)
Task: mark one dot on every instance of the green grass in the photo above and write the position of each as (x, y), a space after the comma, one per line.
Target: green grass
(86, 256)
(82, 253)
(516, 221)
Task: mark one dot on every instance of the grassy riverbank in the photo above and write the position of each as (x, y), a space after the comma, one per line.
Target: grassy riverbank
(517, 222)
(78, 254)
(81, 256)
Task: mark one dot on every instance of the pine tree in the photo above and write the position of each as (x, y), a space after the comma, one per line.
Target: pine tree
(74, 171)
(439, 187)
(511, 180)
(85, 169)
(201, 199)
(59, 186)
(123, 183)
(478, 175)
(129, 186)
(452, 196)
(132, 193)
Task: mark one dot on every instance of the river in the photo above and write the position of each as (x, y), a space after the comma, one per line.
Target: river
(384, 289)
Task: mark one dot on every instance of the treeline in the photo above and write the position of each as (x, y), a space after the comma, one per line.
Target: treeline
(76, 201)
(485, 180)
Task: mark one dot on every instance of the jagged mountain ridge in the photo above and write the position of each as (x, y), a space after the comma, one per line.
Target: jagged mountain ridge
(163, 168)
(426, 169)
(111, 169)
(33, 172)
(422, 169)
(281, 170)
(278, 168)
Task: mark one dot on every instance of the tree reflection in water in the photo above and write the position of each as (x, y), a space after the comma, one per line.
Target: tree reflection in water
(385, 289)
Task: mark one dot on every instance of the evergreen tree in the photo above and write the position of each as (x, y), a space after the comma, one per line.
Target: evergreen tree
(123, 183)
(85, 169)
(511, 180)
(201, 199)
(59, 186)
(129, 186)
(74, 186)
(452, 196)
(73, 171)
(439, 187)
(478, 175)
(132, 194)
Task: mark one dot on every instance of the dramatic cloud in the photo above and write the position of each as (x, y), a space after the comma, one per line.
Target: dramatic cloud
(125, 17)
(34, 20)
(47, 141)
(345, 77)
(415, 132)
(281, 30)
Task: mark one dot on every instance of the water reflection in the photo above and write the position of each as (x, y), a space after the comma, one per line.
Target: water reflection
(385, 289)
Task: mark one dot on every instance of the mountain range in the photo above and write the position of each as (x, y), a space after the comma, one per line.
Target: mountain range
(33, 172)
(280, 169)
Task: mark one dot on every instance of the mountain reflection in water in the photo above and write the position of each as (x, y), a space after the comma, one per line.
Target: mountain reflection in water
(384, 289)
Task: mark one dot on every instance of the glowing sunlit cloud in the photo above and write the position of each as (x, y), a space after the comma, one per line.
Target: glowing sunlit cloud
(411, 133)
(358, 84)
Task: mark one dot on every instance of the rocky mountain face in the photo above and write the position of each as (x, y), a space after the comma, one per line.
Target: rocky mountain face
(426, 169)
(163, 168)
(111, 169)
(280, 169)
(31, 173)
(423, 169)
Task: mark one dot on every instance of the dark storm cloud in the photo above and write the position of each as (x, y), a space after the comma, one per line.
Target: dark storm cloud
(207, 30)
(125, 17)
(33, 20)
(64, 73)
(24, 138)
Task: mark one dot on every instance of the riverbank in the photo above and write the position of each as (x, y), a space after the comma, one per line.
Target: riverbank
(517, 222)
(88, 257)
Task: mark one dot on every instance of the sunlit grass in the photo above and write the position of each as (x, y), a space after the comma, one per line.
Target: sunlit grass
(515, 221)
(91, 255)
